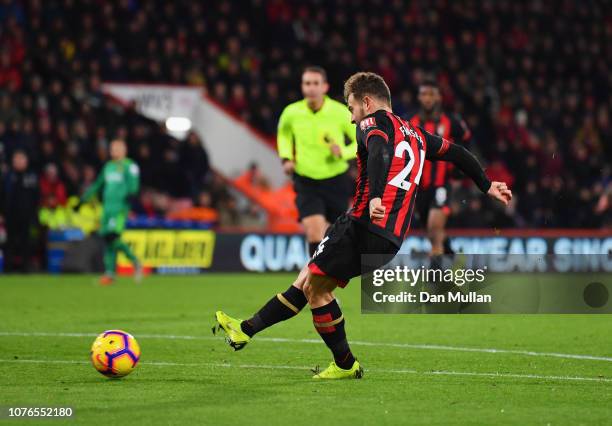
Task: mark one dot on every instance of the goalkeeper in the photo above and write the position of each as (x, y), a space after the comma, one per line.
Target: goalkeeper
(118, 182)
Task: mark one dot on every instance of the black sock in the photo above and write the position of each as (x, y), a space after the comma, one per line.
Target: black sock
(329, 323)
(436, 262)
(312, 247)
(448, 249)
(280, 308)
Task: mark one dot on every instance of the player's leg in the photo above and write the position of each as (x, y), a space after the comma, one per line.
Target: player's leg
(421, 209)
(336, 197)
(125, 249)
(279, 308)
(284, 305)
(110, 259)
(314, 228)
(336, 261)
(437, 218)
(327, 315)
(118, 226)
(107, 232)
(121, 246)
(311, 209)
(329, 322)
(436, 222)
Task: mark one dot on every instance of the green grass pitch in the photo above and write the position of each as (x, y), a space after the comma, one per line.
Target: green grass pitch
(420, 369)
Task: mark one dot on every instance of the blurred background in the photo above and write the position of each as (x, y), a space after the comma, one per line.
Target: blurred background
(196, 90)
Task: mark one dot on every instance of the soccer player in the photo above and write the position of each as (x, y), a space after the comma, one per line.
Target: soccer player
(118, 182)
(391, 154)
(433, 202)
(315, 141)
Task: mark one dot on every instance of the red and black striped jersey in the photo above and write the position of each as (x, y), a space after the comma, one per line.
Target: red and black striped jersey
(407, 147)
(450, 127)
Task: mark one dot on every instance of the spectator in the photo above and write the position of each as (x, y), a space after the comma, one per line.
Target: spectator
(9, 73)
(51, 187)
(194, 161)
(170, 174)
(20, 200)
(530, 105)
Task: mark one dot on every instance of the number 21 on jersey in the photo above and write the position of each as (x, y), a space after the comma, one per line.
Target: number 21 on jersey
(400, 180)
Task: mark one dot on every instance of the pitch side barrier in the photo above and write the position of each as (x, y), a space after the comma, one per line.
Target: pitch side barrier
(192, 251)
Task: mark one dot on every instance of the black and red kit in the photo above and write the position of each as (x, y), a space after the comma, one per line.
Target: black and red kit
(449, 127)
(391, 154)
(435, 182)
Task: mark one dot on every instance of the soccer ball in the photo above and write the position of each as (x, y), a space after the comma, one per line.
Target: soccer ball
(115, 353)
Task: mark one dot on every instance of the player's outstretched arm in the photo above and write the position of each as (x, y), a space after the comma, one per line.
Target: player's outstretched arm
(441, 149)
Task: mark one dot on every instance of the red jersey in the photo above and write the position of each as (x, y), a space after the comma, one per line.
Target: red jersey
(452, 128)
(407, 148)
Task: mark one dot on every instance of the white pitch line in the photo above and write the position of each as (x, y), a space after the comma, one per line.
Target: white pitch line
(352, 342)
(295, 367)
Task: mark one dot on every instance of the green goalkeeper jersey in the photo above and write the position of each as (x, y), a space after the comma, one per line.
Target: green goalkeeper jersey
(118, 181)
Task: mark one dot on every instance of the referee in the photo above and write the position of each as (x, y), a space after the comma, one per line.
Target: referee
(315, 141)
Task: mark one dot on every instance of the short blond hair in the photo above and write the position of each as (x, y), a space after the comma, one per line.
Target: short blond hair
(367, 84)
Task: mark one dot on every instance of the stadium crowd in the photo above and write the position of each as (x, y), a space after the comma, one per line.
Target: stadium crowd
(537, 101)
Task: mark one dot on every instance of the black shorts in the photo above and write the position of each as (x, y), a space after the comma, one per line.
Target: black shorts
(328, 197)
(435, 197)
(339, 254)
